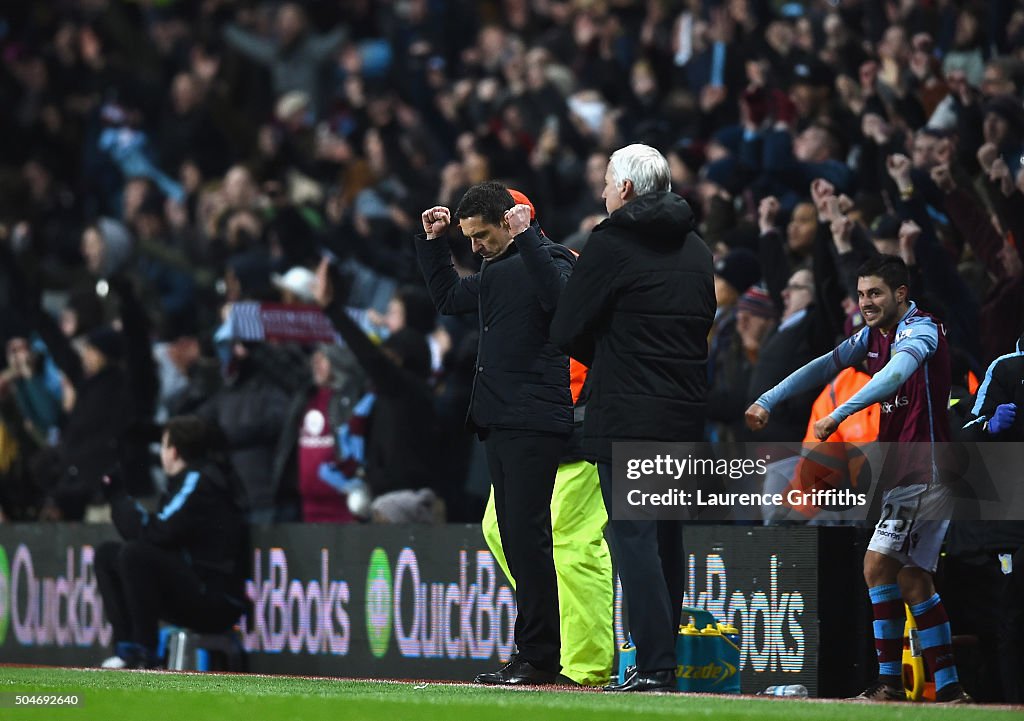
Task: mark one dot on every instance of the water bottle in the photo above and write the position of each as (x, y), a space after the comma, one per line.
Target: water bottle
(790, 691)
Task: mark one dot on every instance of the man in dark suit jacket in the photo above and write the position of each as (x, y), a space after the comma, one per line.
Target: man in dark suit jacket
(520, 403)
(637, 311)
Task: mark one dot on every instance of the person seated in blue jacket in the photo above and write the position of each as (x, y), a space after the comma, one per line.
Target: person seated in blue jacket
(185, 563)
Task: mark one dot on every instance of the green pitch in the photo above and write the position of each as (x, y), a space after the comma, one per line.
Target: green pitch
(154, 696)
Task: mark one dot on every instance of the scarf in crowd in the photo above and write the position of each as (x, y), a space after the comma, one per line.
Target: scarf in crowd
(276, 322)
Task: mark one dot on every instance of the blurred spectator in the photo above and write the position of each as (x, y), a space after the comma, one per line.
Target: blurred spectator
(34, 391)
(1002, 317)
(111, 386)
(106, 247)
(411, 307)
(187, 377)
(1003, 127)
(736, 351)
(130, 150)
(250, 411)
(801, 231)
(295, 56)
(734, 273)
(807, 319)
(29, 414)
(401, 446)
(188, 131)
(315, 419)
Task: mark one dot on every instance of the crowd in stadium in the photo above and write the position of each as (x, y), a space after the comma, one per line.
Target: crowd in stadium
(173, 172)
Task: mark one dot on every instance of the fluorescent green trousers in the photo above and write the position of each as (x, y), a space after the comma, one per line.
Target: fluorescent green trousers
(583, 566)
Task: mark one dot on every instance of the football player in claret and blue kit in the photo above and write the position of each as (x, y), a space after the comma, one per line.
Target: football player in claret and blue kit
(904, 350)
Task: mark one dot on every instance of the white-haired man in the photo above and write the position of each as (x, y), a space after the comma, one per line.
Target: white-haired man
(637, 310)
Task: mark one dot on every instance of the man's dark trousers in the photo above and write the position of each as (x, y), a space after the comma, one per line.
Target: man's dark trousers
(652, 580)
(142, 585)
(523, 465)
(1011, 640)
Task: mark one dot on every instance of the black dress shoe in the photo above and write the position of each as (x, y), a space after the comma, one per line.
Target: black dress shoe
(518, 673)
(653, 681)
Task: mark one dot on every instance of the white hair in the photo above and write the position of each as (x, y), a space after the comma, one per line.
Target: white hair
(642, 164)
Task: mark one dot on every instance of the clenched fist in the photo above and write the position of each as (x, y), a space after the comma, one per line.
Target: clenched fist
(756, 417)
(821, 193)
(767, 211)
(842, 230)
(899, 166)
(987, 155)
(436, 221)
(825, 428)
(518, 218)
(909, 232)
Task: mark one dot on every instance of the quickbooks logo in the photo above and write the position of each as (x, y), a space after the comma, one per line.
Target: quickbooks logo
(5, 595)
(378, 602)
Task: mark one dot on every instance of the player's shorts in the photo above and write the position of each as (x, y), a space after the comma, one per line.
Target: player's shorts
(913, 523)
